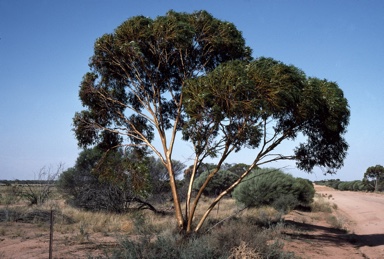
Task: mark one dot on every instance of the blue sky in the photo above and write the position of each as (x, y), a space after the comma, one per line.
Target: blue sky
(45, 47)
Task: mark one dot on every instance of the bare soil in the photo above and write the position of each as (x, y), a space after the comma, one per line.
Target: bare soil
(355, 230)
(359, 230)
(29, 241)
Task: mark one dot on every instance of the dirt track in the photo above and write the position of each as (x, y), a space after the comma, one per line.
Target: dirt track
(366, 211)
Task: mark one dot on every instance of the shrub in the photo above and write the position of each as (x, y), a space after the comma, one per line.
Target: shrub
(273, 187)
(244, 251)
(39, 191)
(221, 181)
(111, 183)
(285, 203)
(304, 191)
(321, 205)
(236, 238)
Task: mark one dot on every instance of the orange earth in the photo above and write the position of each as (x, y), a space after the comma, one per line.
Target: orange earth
(362, 216)
(361, 235)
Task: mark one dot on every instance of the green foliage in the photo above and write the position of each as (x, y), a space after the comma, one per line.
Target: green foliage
(221, 181)
(356, 185)
(146, 61)
(159, 177)
(194, 73)
(374, 177)
(238, 169)
(110, 183)
(235, 101)
(304, 191)
(285, 203)
(273, 187)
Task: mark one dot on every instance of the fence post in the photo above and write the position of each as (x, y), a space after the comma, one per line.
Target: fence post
(51, 235)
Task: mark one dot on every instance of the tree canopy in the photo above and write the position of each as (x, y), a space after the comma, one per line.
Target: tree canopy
(194, 73)
(374, 177)
(220, 182)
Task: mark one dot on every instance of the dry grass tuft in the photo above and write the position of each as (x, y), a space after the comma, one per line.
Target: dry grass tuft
(320, 204)
(244, 252)
(263, 216)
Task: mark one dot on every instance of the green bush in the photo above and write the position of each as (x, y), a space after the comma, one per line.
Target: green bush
(100, 182)
(285, 203)
(275, 188)
(221, 181)
(304, 191)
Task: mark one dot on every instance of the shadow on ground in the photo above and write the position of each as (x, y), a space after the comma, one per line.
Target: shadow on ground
(333, 235)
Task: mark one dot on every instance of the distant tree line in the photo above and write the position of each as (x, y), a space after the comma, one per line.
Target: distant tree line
(356, 185)
(373, 180)
(22, 182)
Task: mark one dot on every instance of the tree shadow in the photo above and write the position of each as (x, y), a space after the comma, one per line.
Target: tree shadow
(333, 235)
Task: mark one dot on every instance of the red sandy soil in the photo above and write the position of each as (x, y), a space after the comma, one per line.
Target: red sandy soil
(28, 241)
(362, 215)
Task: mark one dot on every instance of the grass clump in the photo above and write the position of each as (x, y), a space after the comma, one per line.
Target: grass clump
(244, 251)
(338, 222)
(321, 205)
(9, 194)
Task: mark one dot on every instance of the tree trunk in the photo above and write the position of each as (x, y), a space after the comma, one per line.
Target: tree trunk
(175, 196)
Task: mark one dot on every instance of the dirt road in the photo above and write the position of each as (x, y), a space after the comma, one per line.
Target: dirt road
(366, 211)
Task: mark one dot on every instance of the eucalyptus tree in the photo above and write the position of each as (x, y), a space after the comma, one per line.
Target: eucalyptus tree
(258, 105)
(193, 73)
(374, 177)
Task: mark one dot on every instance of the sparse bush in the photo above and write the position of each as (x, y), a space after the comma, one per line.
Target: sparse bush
(337, 222)
(244, 251)
(41, 190)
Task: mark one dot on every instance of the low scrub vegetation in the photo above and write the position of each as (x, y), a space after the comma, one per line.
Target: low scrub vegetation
(274, 187)
(320, 204)
(356, 185)
(35, 192)
(255, 232)
(248, 223)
